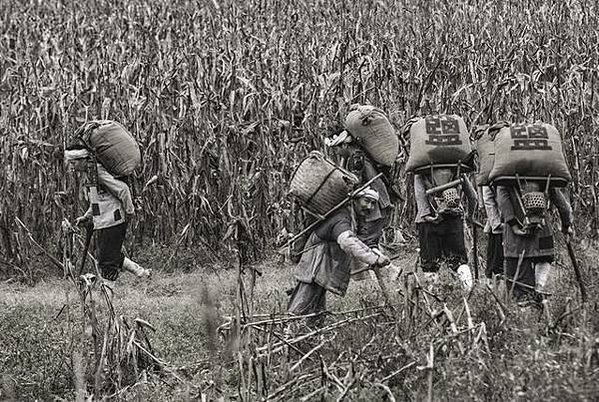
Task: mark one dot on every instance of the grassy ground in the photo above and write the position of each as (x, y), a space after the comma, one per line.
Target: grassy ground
(521, 357)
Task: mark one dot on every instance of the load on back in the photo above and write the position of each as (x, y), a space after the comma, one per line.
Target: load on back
(370, 126)
(438, 141)
(529, 151)
(112, 145)
(528, 157)
(319, 185)
(440, 149)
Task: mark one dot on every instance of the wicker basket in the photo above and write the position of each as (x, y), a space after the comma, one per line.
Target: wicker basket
(319, 185)
(372, 128)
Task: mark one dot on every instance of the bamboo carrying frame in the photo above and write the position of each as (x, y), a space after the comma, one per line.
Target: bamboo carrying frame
(321, 218)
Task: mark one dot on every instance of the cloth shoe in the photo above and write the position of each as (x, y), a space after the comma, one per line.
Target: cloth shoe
(542, 271)
(136, 269)
(465, 276)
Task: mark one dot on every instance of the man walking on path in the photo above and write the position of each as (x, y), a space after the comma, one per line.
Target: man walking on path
(325, 265)
(494, 230)
(111, 210)
(528, 249)
(440, 225)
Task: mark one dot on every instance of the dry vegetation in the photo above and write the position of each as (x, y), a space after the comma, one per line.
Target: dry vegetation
(225, 97)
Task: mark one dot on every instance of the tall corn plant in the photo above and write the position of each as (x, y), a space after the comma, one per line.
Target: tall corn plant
(226, 98)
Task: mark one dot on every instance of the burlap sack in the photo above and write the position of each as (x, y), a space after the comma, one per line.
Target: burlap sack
(319, 185)
(374, 131)
(114, 147)
(438, 139)
(529, 150)
(485, 149)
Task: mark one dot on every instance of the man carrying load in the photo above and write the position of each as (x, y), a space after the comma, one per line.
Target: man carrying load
(369, 146)
(440, 224)
(529, 248)
(111, 206)
(325, 265)
(484, 139)
(528, 169)
(494, 230)
(440, 153)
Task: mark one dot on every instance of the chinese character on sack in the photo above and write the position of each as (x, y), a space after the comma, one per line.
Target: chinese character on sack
(442, 130)
(528, 138)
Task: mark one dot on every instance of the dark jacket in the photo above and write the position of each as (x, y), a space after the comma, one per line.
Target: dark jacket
(539, 243)
(329, 251)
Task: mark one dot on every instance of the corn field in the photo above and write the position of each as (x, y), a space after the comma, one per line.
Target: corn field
(225, 97)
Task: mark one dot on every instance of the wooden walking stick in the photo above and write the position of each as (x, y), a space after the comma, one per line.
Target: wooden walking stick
(381, 280)
(379, 277)
(89, 231)
(583, 292)
(475, 248)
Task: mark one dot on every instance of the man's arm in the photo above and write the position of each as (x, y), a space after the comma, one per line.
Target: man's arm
(341, 231)
(504, 201)
(563, 207)
(491, 207)
(424, 207)
(353, 246)
(117, 188)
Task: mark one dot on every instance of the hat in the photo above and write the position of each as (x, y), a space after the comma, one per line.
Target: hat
(75, 154)
(368, 193)
(341, 138)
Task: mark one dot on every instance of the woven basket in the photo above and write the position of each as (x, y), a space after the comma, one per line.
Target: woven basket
(372, 128)
(319, 185)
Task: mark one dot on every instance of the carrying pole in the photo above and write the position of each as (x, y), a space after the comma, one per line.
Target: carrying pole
(475, 248)
(583, 292)
(89, 231)
(475, 238)
(381, 280)
(443, 187)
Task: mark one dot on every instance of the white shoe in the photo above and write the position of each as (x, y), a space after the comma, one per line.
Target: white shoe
(542, 271)
(136, 269)
(465, 276)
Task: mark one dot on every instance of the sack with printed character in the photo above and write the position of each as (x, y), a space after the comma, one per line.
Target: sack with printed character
(438, 140)
(529, 151)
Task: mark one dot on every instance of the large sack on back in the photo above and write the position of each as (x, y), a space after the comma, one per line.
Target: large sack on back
(529, 150)
(485, 148)
(438, 140)
(319, 185)
(374, 131)
(114, 147)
